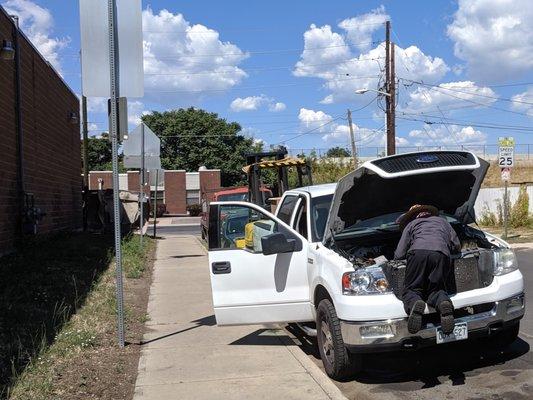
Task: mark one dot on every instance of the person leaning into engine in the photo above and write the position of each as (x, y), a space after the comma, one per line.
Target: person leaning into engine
(427, 243)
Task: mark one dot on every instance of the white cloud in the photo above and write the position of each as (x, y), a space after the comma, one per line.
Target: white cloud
(449, 94)
(97, 104)
(135, 112)
(323, 123)
(182, 60)
(359, 29)
(311, 119)
(254, 103)
(328, 55)
(526, 97)
(494, 37)
(276, 107)
(452, 135)
(37, 23)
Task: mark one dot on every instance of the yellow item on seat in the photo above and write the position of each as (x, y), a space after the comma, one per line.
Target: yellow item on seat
(240, 243)
(249, 235)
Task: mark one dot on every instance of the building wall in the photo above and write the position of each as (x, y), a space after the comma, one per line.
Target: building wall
(51, 143)
(105, 176)
(178, 187)
(175, 192)
(209, 183)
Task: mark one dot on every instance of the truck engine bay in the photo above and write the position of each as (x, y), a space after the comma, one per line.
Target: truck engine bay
(472, 268)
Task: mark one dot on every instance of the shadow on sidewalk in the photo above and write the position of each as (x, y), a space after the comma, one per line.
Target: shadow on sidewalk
(205, 321)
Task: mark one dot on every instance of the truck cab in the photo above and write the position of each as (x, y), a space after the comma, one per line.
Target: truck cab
(325, 257)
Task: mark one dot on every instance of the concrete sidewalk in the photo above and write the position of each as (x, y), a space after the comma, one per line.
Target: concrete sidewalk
(186, 356)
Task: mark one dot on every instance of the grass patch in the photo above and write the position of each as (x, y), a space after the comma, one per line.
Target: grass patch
(58, 328)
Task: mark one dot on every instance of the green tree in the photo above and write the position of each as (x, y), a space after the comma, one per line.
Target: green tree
(191, 138)
(337, 152)
(99, 154)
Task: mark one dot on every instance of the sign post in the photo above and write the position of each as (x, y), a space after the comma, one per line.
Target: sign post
(506, 162)
(141, 184)
(106, 26)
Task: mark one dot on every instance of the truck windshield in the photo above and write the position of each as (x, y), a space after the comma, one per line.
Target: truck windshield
(319, 215)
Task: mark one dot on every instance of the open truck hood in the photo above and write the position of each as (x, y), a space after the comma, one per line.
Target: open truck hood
(448, 180)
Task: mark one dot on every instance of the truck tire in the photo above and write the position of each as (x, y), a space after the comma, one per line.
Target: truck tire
(337, 361)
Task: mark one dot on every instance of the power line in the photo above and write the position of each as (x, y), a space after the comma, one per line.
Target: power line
(437, 87)
(248, 88)
(475, 125)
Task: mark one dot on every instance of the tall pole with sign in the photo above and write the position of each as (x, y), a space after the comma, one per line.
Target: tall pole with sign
(114, 95)
(506, 162)
(106, 26)
(141, 184)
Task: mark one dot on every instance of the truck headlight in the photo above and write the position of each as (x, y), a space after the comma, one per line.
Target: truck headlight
(365, 281)
(504, 261)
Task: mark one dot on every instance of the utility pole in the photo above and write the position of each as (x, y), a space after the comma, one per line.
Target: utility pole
(390, 78)
(352, 138)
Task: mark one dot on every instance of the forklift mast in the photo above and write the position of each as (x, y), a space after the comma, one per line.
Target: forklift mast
(279, 161)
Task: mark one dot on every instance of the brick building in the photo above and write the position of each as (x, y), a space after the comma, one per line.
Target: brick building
(45, 169)
(176, 189)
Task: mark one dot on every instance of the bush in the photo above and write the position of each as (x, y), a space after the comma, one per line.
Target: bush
(519, 212)
(194, 209)
(488, 218)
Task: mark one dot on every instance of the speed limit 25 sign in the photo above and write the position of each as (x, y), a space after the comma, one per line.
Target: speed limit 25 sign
(506, 152)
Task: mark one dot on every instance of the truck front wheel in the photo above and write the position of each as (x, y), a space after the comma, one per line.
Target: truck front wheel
(338, 363)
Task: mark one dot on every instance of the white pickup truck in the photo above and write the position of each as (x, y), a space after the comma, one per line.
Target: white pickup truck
(326, 258)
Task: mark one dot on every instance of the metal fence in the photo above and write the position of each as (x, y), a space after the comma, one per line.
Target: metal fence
(487, 151)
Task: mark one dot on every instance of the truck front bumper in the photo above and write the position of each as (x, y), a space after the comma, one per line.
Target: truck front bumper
(389, 335)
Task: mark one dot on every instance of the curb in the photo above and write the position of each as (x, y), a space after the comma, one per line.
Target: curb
(322, 380)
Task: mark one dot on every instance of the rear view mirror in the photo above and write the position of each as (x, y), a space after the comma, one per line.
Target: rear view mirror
(277, 243)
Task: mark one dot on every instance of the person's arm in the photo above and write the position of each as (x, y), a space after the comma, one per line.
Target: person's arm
(403, 245)
(455, 243)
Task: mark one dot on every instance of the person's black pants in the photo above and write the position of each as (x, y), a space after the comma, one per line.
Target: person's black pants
(427, 277)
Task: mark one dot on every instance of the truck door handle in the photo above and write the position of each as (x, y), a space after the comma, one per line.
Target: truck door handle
(221, 267)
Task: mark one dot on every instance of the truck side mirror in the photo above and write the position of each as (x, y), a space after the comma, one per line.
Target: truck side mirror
(277, 243)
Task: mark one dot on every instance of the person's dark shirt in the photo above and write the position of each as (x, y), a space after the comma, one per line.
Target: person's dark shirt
(430, 233)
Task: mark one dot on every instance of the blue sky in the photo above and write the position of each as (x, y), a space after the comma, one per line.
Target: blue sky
(287, 71)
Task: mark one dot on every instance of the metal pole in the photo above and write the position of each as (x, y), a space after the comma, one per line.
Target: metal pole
(387, 85)
(115, 94)
(391, 139)
(505, 210)
(352, 138)
(85, 132)
(141, 186)
(155, 202)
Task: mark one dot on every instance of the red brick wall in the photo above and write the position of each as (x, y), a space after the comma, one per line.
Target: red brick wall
(106, 176)
(209, 183)
(133, 182)
(51, 144)
(175, 192)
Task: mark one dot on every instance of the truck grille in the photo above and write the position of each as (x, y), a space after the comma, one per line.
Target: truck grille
(472, 271)
(430, 159)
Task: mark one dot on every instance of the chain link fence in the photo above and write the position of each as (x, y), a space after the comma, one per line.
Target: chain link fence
(486, 151)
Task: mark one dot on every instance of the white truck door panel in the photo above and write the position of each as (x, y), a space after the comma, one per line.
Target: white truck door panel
(248, 286)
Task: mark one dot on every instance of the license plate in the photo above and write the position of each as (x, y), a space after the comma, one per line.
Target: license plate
(460, 332)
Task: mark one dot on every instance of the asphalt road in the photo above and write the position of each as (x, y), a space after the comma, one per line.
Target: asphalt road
(468, 370)
(175, 230)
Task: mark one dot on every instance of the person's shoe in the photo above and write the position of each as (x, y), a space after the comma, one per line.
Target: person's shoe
(414, 323)
(447, 321)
